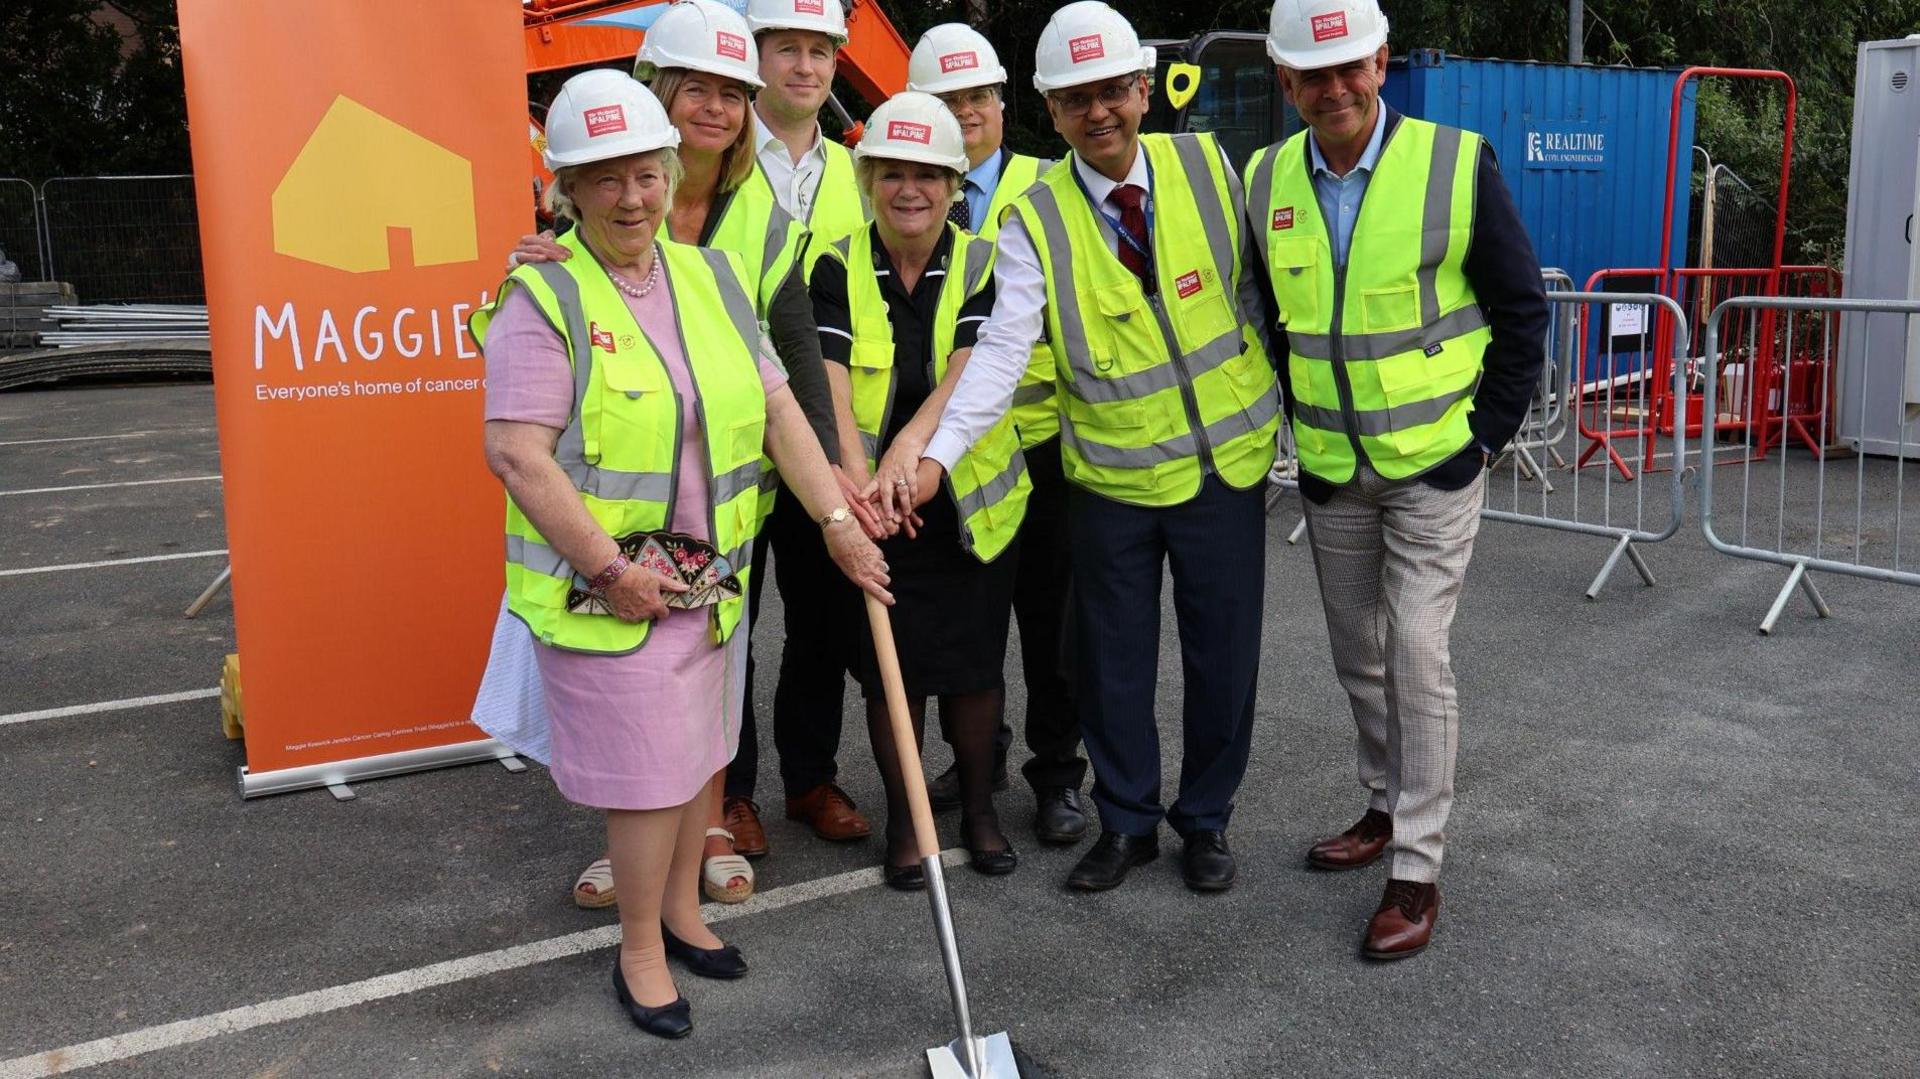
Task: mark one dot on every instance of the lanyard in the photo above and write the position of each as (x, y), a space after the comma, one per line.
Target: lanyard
(1126, 237)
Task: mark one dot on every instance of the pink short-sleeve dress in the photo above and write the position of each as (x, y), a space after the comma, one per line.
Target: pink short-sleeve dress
(644, 730)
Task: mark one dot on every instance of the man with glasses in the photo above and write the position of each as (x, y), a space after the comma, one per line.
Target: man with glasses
(955, 63)
(1131, 258)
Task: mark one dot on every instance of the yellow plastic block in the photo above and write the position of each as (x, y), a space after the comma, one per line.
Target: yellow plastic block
(230, 715)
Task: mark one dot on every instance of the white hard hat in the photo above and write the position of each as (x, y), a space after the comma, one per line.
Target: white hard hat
(911, 126)
(1087, 42)
(953, 56)
(600, 115)
(821, 16)
(700, 35)
(1309, 34)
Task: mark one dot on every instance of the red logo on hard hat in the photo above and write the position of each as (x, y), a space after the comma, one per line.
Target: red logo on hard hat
(605, 120)
(959, 61)
(906, 131)
(731, 46)
(809, 7)
(1187, 283)
(1082, 49)
(601, 338)
(1329, 26)
(1283, 218)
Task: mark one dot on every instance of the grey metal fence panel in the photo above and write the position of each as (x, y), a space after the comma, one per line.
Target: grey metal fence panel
(1653, 512)
(1797, 509)
(124, 239)
(20, 228)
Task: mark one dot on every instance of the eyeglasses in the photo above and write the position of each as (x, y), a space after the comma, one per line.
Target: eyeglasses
(976, 99)
(1079, 102)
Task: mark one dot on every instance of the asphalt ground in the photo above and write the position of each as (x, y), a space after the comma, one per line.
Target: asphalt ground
(1679, 848)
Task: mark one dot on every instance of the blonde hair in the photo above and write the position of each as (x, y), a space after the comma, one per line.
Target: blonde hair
(560, 204)
(866, 174)
(736, 161)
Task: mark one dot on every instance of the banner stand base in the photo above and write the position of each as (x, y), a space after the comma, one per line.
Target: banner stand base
(336, 775)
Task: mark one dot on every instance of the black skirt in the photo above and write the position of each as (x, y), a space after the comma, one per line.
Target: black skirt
(950, 612)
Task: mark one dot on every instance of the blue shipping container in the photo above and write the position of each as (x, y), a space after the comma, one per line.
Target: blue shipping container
(1582, 147)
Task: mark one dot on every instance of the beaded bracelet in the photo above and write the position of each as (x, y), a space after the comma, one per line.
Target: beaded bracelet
(605, 578)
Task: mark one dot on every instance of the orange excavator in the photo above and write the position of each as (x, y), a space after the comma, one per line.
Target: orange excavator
(1219, 81)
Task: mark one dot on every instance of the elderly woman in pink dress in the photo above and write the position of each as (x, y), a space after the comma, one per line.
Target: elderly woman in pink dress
(631, 464)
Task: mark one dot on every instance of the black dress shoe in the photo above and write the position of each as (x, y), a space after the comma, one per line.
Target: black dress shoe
(673, 1020)
(993, 863)
(1107, 863)
(1058, 818)
(1208, 863)
(905, 878)
(724, 962)
(943, 791)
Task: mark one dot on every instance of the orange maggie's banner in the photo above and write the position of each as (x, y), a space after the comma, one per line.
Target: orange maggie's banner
(361, 173)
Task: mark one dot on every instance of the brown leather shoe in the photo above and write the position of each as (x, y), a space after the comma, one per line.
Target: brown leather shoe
(742, 818)
(1404, 923)
(830, 813)
(1359, 845)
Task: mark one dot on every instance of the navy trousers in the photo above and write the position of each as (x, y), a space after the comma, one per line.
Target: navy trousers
(1215, 545)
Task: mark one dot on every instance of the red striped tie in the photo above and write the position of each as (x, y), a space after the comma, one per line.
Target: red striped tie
(1129, 200)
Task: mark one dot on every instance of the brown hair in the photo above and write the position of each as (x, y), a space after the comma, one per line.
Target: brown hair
(736, 161)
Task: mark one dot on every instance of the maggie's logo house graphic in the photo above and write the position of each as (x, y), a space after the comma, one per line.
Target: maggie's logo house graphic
(361, 177)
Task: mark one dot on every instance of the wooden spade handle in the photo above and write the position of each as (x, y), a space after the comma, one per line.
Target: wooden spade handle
(924, 835)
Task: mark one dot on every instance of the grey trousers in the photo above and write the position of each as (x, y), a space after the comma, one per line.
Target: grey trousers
(1391, 557)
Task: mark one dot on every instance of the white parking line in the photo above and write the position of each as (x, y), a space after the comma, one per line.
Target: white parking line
(108, 706)
(96, 438)
(301, 1005)
(112, 562)
(97, 486)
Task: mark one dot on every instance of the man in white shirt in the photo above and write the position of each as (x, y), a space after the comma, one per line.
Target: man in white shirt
(798, 42)
(1166, 443)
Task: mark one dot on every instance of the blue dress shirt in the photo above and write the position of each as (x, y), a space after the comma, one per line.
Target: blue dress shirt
(979, 185)
(1340, 195)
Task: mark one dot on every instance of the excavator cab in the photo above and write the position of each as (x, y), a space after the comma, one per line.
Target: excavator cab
(1220, 82)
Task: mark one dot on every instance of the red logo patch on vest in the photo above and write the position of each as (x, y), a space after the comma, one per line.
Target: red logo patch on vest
(732, 46)
(809, 7)
(959, 61)
(1082, 49)
(1283, 218)
(907, 131)
(605, 120)
(601, 338)
(1329, 26)
(1187, 283)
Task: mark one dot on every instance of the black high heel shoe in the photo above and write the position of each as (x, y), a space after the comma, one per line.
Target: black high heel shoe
(905, 878)
(724, 962)
(670, 1021)
(992, 863)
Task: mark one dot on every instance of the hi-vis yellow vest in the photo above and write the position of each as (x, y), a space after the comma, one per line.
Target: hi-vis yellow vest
(621, 445)
(769, 242)
(989, 484)
(837, 209)
(1156, 391)
(1385, 355)
(1035, 411)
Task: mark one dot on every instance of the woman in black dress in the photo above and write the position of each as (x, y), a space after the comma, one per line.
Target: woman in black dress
(898, 305)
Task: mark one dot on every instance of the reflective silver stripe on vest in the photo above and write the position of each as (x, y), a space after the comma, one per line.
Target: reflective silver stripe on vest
(979, 260)
(1033, 393)
(1192, 152)
(1436, 219)
(739, 305)
(1383, 421)
(739, 557)
(617, 486)
(1073, 336)
(1261, 184)
(731, 485)
(995, 489)
(1220, 432)
(537, 557)
(1164, 377)
(870, 445)
(779, 226)
(572, 446)
(1378, 346)
(769, 480)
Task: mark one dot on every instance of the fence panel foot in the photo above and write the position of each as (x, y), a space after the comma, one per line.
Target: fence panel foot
(1801, 578)
(1624, 546)
(206, 597)
(1299, 530)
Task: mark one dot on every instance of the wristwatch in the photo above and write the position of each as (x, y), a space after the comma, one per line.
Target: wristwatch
(834, 518)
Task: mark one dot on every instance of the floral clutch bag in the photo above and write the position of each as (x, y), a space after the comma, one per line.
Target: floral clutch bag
(694, 562)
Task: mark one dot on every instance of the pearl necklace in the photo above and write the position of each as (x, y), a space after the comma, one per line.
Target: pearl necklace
(645, 288)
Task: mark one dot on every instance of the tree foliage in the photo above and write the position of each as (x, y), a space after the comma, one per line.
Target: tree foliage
(90, 88)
